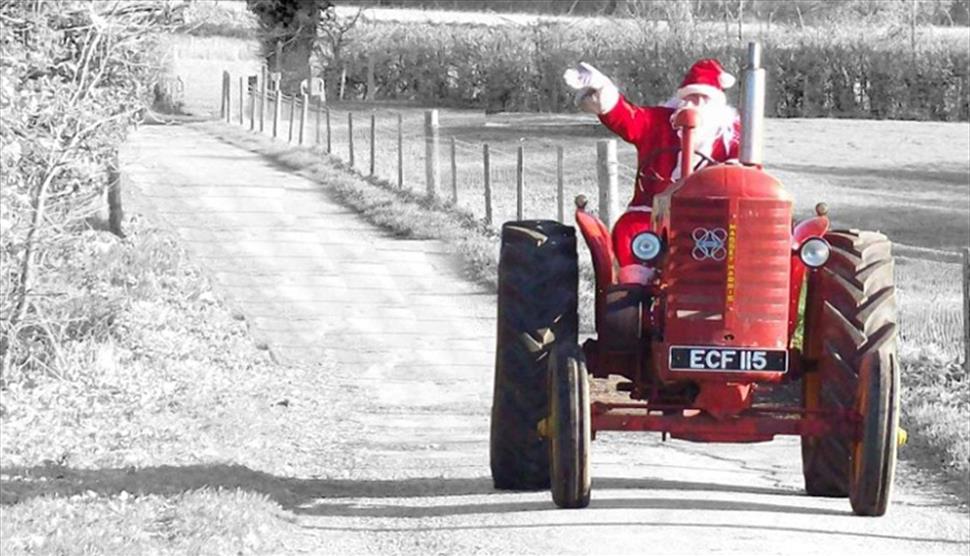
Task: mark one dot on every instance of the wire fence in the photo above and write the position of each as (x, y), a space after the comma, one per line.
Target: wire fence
(499, 183)
(520, 181)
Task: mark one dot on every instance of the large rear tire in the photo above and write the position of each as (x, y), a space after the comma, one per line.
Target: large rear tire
(537, 311)
(850, 337)
(569, 427)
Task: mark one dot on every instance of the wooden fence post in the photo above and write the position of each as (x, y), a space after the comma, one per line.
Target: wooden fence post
(241, 103)
(454, 173)
(329, 149)
(520, 183)
(966, 310)
(277, 103)
(373, 141)
(252, 106)
(289, 131)
(486, 164)
(560, 188)
(400, 150)
(262, 99)
(228, 81)
(223, 107)
(316, 114)
(115, 210)
(606, 176)
(432, 165)
(303, 108)
(350, 134)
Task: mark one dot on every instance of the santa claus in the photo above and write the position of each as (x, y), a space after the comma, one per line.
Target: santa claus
(651, 128)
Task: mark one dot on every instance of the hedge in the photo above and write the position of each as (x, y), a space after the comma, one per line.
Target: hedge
(519, 69)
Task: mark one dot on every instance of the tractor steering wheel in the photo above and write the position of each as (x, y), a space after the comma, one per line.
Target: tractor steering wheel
(704, 158)
(657, 151)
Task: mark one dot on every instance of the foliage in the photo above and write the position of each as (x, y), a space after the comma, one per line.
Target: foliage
(288, 30)
(813, 73)
(73, 76)
(938, 12)
(165, 380)
(206, 19)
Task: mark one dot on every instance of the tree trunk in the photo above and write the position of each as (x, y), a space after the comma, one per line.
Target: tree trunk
(115, 211)
(291, 51)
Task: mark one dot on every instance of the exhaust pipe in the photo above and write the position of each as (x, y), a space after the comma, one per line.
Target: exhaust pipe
(753, 109)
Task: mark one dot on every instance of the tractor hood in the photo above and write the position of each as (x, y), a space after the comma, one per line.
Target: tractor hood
(727, 180)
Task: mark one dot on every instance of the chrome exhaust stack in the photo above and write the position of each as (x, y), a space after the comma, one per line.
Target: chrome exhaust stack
(753, 109)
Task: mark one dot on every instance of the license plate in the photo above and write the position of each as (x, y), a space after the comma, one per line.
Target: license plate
(684, 358)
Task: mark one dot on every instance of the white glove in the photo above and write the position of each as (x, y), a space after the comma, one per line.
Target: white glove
(595, 93)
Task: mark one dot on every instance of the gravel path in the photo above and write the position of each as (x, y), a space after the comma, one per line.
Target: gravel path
(387, 452)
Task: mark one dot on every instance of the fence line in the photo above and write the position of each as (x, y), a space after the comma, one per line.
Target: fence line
(499, 184)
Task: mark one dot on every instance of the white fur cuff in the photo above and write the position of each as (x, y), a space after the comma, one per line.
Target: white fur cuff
(609, 96)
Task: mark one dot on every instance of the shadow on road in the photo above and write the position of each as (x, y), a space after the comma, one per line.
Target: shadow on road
(342, 498)
(20, 484)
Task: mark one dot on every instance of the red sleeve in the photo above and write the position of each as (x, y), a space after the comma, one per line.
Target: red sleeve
(628, 121)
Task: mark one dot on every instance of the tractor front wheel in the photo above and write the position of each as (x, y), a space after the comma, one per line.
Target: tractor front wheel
(537, 311)
(569, 428)
(874, 452)
(850, 340)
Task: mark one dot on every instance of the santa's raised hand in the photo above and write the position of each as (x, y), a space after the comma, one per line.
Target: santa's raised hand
(595, 93)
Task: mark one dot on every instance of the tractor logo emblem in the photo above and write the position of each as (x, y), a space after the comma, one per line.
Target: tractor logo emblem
(709, 244)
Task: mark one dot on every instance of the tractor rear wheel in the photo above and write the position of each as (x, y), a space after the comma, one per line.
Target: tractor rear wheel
(537, 311)
(850, 339)
(569, 428)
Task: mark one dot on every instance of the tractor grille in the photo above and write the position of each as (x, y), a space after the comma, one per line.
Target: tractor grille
(704, 285)
(763, 260)
(696, 289)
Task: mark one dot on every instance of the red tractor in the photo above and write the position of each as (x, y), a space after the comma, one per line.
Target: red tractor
(714, 318)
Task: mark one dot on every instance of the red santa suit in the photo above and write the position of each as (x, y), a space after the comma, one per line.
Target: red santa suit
(649, 128)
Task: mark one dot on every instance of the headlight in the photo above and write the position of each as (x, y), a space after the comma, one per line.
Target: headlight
(646, 246)
(815, 252)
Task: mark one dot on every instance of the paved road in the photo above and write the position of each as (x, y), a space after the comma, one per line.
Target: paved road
(406, 470)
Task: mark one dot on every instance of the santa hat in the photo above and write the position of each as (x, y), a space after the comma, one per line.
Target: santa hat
(706, 77)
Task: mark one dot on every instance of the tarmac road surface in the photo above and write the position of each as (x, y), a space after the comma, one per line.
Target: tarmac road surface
(398, 462)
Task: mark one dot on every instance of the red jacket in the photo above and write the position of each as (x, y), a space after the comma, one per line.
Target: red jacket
(658, 145)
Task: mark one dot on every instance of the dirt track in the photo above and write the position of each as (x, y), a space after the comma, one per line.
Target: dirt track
(405, 465)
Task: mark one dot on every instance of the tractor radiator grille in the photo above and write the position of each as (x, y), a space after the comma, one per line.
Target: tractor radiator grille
(696, 287)
(702, 263)
(762, 260)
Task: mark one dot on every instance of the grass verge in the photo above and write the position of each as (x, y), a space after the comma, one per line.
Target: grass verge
(935, 395)
(157, 373)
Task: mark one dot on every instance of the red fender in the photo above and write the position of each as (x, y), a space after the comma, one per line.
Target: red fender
(630, 223)
(600, 247)
(805, 230)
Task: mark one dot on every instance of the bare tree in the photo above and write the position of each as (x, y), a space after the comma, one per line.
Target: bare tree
(333, 36)
(75, 74)
(288, 34)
